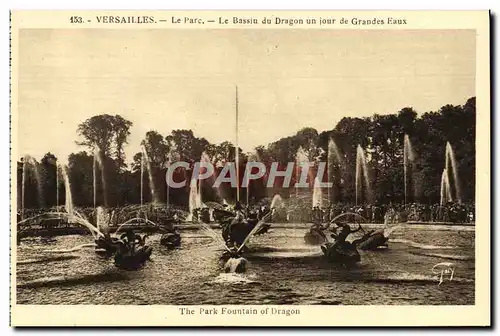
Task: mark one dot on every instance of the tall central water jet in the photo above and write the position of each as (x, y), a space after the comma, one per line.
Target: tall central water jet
(408, 159)
(362, 172)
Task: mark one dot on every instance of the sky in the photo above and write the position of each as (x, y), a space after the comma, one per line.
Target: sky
(185, 79)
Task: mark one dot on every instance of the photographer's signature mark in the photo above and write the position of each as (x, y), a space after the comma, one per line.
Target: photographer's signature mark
(444, 269)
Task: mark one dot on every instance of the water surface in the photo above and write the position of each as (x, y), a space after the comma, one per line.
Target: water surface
(282, 270)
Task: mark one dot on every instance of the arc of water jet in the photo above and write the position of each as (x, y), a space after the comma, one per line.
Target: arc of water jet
(28, 160)
(275, 203)
(255, 229)
(76, 217)
(347, 214)
(73, 249)
(40, 215)
(207, 229)
(135, 219)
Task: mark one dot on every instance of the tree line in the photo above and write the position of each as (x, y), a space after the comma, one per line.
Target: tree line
(380, 136)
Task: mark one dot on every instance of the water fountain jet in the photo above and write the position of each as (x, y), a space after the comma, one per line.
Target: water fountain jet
(194, 198)
(445, 194)
(408, 160)
(451, 168)
(333, 156)
(67, 188)
(362, 172)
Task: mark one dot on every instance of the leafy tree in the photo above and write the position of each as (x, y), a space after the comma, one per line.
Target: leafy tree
(381, 137)
(106, 133)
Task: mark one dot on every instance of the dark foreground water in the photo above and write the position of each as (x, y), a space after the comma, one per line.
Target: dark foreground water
(282, 270)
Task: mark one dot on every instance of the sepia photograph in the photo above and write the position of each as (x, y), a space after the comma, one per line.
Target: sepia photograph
(233, 167)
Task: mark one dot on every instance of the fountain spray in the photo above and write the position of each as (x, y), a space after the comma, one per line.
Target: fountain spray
(361, 171)
(57, 186)
(451, 160)
(152, 188)
(142, 178)
(67, 187)
(332, 155)
(408, 159)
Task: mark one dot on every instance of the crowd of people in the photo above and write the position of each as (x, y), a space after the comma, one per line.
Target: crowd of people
(387, 213)
(391, 213)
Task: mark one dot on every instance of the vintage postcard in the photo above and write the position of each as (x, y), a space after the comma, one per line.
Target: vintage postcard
(290, 168)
